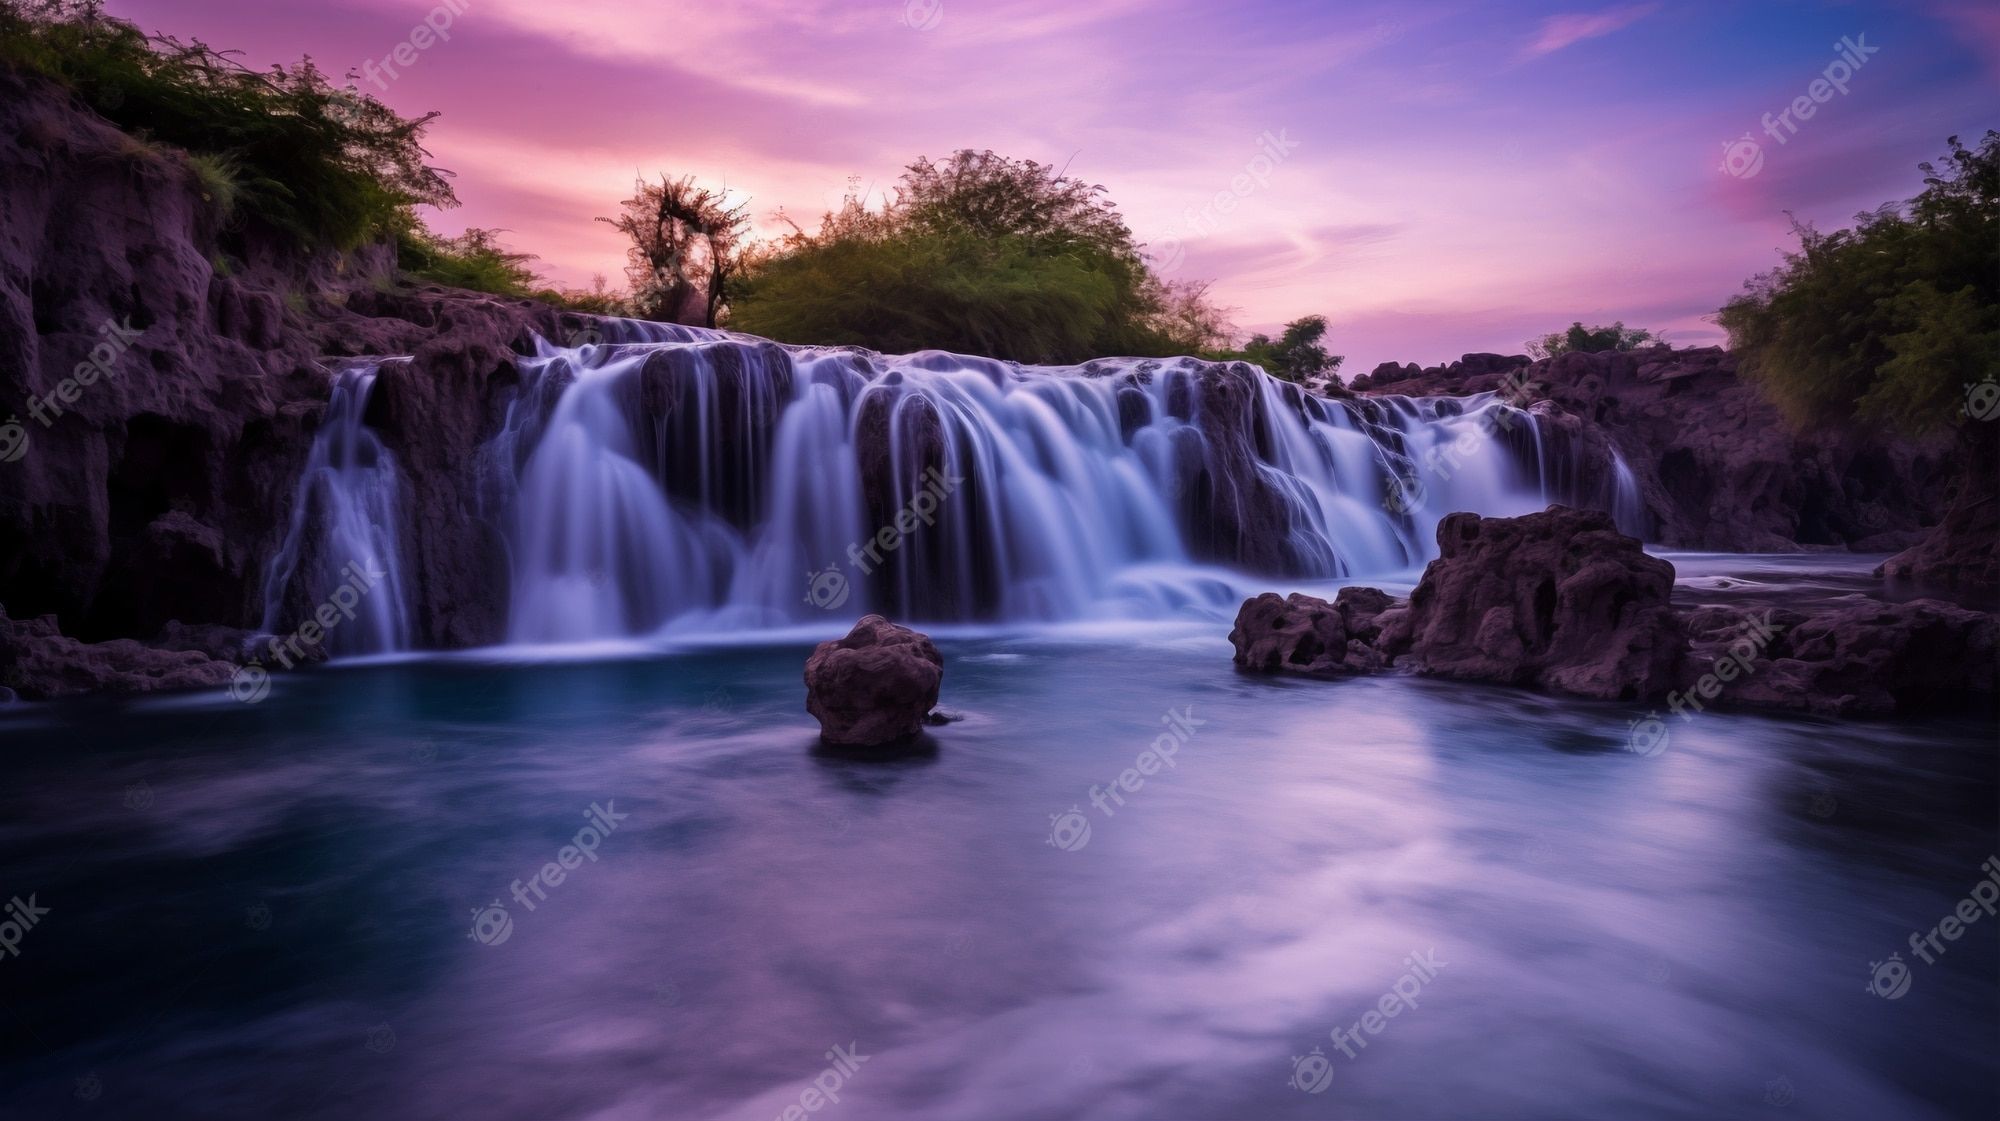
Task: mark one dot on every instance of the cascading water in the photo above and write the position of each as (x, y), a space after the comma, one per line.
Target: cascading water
(657, 478)
(671, 477)
(342, 539)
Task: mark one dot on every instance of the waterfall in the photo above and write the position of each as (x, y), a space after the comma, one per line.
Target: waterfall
(650, 478)
(658, 478)
(340, 548)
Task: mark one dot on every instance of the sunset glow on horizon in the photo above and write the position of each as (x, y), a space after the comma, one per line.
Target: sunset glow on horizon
(1453, 178)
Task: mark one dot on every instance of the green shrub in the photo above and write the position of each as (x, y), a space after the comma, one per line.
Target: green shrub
(1889, 321)
(330, 166)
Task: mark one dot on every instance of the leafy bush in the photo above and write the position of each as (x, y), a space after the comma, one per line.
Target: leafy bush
(474, 260)
(330, 166)
(1296, 355)
(981, 254)
(1589, 340)
(1891, 320)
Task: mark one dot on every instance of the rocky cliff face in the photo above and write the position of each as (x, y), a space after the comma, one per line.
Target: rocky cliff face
(1718, 466)
(160, 369)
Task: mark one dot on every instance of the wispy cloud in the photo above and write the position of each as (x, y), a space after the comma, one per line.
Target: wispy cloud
(1572, 28)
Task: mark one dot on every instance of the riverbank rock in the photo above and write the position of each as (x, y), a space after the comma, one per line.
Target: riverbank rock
(1864, 658)
(40, 663)
(1307, 635)
(1559, 600)
(874, 686)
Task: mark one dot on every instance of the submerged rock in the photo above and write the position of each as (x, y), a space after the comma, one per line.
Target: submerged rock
(1308, 635)
(875, 686)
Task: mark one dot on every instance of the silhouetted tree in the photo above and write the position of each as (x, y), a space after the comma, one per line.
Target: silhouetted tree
(685, 245)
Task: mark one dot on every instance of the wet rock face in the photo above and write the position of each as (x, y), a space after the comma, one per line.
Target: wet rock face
(1306, 635)
(1717, 465)
(875, 686)
(158, 490)
(1562, 601)
(1559, 600)
(1856, 659)
(39, 663)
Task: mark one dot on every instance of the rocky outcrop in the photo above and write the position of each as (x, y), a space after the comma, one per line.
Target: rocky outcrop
(1558, 600)
(40, 663)
(161, 374)
(1562, 602)
(875, 686)
(1307, 635)
(1717, 465)
(1853, 659)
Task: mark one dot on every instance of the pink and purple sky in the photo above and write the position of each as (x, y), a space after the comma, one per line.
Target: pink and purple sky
(1465, 175)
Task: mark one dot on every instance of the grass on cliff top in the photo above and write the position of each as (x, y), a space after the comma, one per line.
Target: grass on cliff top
(331, 166)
